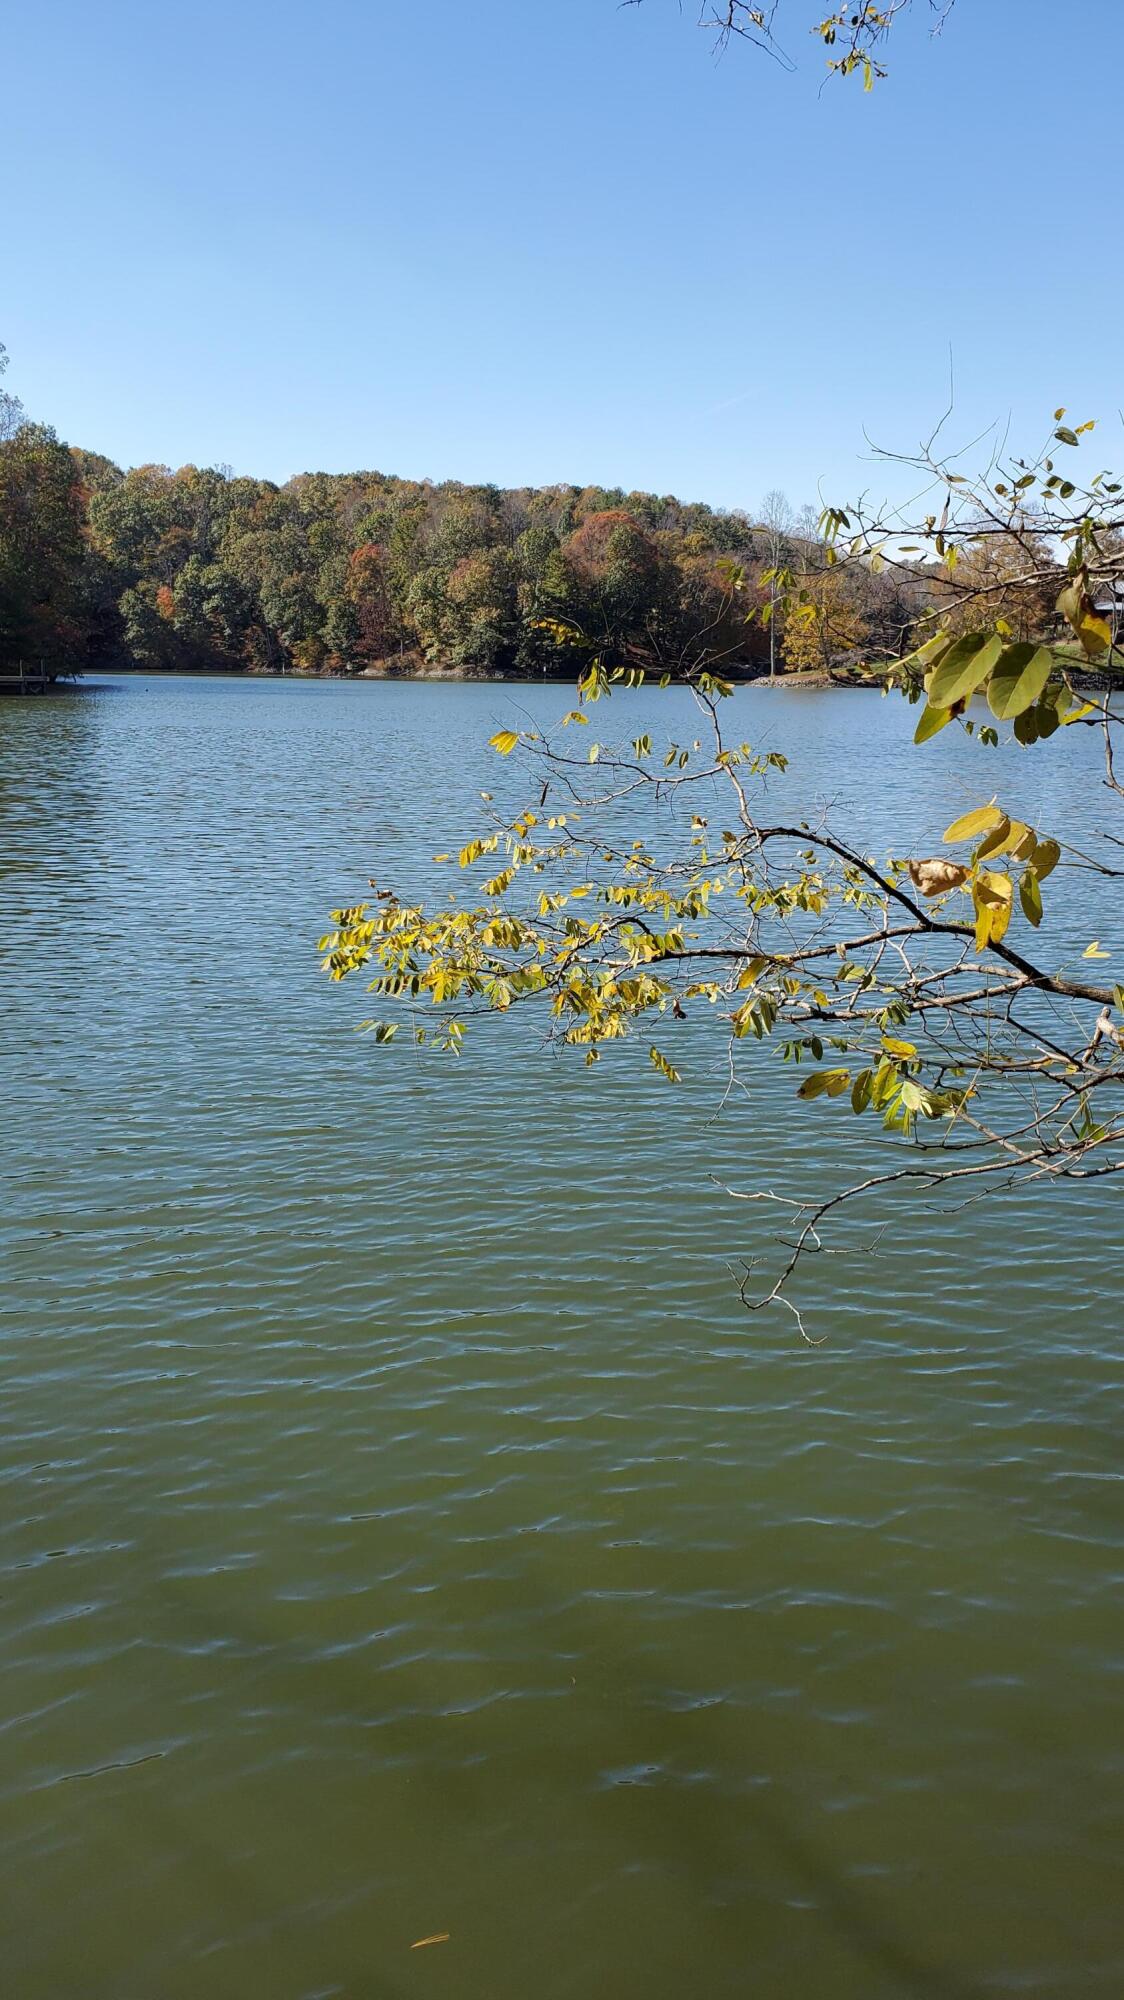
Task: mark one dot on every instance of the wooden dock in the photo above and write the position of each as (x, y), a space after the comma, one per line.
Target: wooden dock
(25, 679)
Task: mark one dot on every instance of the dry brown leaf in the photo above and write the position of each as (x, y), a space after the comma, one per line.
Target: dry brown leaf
(933, 877)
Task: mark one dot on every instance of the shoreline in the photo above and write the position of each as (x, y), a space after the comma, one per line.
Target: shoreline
(450, 676)
(815, 680)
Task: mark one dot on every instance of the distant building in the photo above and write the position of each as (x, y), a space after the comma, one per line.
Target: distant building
(1108, 603)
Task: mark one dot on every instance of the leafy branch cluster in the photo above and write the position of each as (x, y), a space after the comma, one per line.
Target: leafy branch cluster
(920, 990)
(853, 34)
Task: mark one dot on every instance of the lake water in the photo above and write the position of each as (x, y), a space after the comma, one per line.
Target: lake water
(403, 1531)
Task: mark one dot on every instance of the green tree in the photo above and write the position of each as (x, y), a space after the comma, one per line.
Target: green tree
(11, 409)
(42, 549)
(211, 614)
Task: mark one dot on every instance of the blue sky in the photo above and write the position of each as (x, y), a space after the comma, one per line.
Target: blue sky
(523, 241)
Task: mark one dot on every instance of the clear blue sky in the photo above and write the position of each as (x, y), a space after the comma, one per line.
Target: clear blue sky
(529, 240)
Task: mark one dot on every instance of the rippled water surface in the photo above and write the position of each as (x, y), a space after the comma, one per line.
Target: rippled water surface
(402, 1529)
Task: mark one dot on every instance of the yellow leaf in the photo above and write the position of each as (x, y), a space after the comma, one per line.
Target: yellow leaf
(1095, 633)
(1094, 950)
(992, 894)
(996, 840)
(994, 889)
(504, 741)
(972, 824)
(439, 1937)
(665, 1068)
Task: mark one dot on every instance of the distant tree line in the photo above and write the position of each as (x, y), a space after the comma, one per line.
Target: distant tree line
(197, 570)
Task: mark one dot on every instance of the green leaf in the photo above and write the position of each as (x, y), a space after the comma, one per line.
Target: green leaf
(1018, 680)
(886, 1080)
(1047, 854)
(814, 1085)
(964, 668)
(1064, 435)
(1030, 896)
(932, 720)
(861, 1091)
(1046, 717)
(833, 1082)
(924, 658)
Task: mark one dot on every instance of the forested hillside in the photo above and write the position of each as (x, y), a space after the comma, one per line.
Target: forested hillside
(197, 570)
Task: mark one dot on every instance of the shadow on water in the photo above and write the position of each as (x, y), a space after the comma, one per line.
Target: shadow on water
(745, 1863)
